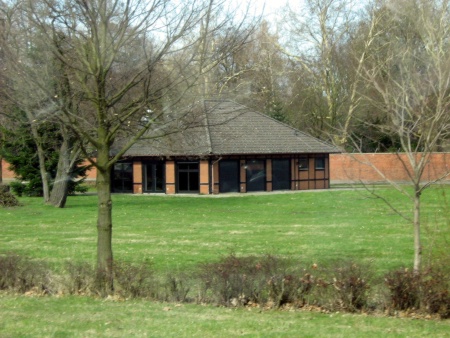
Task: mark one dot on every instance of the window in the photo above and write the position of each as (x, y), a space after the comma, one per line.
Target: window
(122, 177)
(303, 164)
(320, 163)
(188, 177)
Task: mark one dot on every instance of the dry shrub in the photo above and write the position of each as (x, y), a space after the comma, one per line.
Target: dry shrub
(351, 285)
(260, 280)
(7, 199)
(79, 279)
(18, 274)
(177, 288)
(435, 292)
(342, 285)
(427, 291)
(135, 280)
(403, 286)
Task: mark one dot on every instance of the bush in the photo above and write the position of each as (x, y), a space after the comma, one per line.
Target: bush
(177, 288)
(80, 279)
(6, 198)
(22, 275)
(403, 286)
(241, 280)
(435, 292)
(351, 285)
(135, 280)
(427, 291)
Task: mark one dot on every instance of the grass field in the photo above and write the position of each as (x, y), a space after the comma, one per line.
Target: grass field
(176, 233)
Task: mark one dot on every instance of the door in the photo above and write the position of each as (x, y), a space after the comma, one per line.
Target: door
(229, 176)
(153, 177)
(281, 174)
(256, 175)
(188, 180)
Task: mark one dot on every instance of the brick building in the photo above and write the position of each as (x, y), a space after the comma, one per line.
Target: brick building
(226, 148)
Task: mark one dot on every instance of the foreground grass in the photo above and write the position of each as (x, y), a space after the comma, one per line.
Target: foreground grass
(87, 317)
(176, 233)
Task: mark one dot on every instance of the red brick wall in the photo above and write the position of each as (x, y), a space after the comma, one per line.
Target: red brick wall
(6, 174)
(346, 168)
(9, 175)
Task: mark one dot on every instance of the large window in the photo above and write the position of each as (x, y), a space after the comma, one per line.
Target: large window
(256, 175)
(229, 176)
(188, 177)
(153, 177)
(122, 177)
(281, 177)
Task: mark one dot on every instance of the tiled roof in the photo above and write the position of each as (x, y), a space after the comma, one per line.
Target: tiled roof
(226, 127)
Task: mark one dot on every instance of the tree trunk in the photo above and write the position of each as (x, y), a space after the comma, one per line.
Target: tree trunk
(417, 242)
(44, 174)
(58, 196)
(104, 229)
(41, 157)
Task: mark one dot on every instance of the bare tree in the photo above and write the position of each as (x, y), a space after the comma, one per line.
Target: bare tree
(410, 73)
(329, 43)
(122, 60)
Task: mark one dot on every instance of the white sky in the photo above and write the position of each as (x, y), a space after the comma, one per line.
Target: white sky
(274, 8)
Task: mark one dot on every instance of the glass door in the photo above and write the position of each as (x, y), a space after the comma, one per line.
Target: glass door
(229, 176)
(153, 177)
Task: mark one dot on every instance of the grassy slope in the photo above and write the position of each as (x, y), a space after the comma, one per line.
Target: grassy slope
(178, 232)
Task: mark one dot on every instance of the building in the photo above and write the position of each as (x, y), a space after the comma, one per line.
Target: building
(224, 147)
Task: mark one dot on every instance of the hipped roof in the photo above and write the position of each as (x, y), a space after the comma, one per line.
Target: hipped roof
(227, 128)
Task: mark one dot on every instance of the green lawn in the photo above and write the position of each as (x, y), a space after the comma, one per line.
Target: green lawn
(179, 232)
(87, 317)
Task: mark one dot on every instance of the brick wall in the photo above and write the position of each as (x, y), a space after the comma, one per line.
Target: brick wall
(347, 168)
(8, 176)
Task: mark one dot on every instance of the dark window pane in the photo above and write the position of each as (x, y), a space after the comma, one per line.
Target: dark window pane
(153, 177)
(303, 164)
(159, 177)
(122, 177)
(229, 176)
(194, 181)
(188, 176)
(320, 163)
(256, 175)
(281, 178)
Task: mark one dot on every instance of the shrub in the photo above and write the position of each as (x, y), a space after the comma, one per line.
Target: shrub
(240, 280)
(135, 280)
(6, 198)
(21, 275)
(428, 291)
(351, 285)
(435, 292)
(79, 278)
(403, 286)
(177, 288)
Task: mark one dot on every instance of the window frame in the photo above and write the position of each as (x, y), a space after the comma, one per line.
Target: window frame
(300, 165)
(319, 163)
